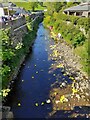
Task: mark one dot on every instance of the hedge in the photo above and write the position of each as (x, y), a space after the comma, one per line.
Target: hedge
(80, 21)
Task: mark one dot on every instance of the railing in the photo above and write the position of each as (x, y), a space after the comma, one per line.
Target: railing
(14, 23)
(19, 22)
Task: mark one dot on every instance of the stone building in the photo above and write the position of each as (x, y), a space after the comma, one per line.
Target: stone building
(6, 8)
(9, 8)
(82, 10)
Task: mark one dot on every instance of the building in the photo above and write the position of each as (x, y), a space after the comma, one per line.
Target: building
(9, 8)
(6, 8)
(82, 10)
(1, 10)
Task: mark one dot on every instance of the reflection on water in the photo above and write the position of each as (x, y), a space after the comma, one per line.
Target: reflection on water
(34, 81)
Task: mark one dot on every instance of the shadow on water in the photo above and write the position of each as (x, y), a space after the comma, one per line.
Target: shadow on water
(33, 83)
(78, 111)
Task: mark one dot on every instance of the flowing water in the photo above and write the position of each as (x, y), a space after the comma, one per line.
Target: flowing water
(34, 80)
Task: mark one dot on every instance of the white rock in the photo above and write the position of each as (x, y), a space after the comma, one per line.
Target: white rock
(87, 94)
(78, 96)
(48, 101)
(57, 101)
(63, 84)
(66, 100)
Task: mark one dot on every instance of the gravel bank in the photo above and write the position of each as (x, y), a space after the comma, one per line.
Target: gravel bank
(67, 97)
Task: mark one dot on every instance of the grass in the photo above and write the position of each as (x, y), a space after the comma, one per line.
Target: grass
(40, 7)
(23, 4)
(82, 52)
(27, 6)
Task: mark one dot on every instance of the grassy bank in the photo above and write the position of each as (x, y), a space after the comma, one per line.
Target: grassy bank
(71, 34)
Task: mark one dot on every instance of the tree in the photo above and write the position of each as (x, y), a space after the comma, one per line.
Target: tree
(54, 6)
(33, 5)
(70, 4)
(41, 3)
(58, 6)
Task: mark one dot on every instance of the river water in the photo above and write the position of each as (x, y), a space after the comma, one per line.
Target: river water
(34, 80)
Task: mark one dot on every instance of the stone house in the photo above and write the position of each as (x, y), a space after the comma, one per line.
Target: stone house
(9, 8)
(6, 8)
(82, 10)
(1, 10)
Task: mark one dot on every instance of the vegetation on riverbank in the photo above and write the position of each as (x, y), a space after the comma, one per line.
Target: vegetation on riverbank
(12, 56)
(69, 27)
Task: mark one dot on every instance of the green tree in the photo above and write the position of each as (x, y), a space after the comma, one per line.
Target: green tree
(41, 3)
(54, 6)
(58, 6)
(33, 5)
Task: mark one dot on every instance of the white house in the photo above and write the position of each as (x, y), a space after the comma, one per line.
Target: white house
(1, 10)
(7, 9)
(4, 8)
(82, 10)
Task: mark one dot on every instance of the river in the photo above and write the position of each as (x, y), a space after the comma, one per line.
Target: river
(34, 80)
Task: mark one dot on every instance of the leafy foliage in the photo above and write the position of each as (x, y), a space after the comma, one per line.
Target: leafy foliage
(11, 55)
(69, 27)
(33, 5)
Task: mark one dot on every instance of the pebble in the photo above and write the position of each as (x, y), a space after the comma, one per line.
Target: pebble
(88, 100)
(78, 96)
(57, 101)
(69, 105)
(71, 96)
(48, 101)
(82, 96)
(87, 94)
(60, 86)
(63, 84)
(66, 100)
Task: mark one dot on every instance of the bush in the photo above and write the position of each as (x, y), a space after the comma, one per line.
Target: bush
(79, 39)
(83, 22)
(47, 20)
(11, 56)
(72, 34)
(69, 32)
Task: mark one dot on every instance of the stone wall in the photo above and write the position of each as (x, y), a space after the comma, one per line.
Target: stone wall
(17, 23)
(18, 29)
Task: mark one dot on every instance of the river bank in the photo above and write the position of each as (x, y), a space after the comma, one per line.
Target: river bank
(69, 96)
(43, 88)
(21, 54)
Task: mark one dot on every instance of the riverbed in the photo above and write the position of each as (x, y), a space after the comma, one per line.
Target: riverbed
(31, 95)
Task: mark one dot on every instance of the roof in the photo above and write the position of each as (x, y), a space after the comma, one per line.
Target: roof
(81, 7)
(8, 4)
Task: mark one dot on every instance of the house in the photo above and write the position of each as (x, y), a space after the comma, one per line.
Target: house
(6, 8)
(20, 10)
(1, 10)
(82, 10)
(9, 8)
(8, 4)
